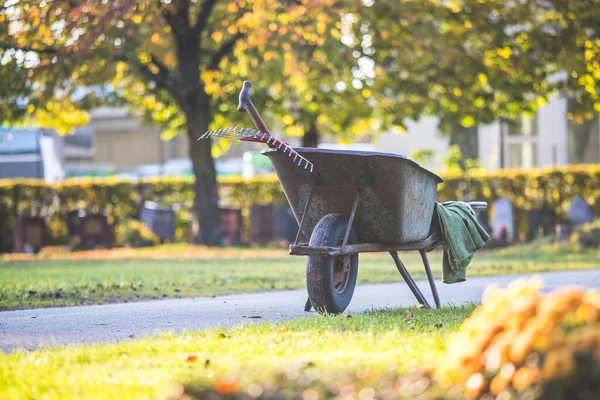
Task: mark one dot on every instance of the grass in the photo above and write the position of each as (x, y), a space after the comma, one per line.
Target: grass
(368, 347)
(181, 271)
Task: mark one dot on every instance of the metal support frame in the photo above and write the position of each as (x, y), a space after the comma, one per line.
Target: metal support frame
(432, 241)
(434, 292)
(409, 280)
(302, 219)
(350, 220)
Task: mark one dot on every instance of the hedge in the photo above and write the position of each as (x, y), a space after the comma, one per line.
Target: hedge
(121, 199)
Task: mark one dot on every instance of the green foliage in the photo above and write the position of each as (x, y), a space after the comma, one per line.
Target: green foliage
(474, 61)
(423, 156)
(370, 349)
(550, 188)
(55, 277)
(455, 161)
(133, 233)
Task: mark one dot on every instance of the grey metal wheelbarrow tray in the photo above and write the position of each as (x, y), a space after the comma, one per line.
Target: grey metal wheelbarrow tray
(388, 199)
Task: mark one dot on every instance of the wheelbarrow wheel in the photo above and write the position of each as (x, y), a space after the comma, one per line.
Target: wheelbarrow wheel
(330, 281)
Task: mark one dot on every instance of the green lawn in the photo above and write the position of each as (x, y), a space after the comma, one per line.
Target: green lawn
(363, 353)
(43, 283)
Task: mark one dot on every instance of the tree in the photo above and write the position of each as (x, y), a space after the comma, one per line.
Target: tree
(317, 83)
(472, 62)
(180, 63)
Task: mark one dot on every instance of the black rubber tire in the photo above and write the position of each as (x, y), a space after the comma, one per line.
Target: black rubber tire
(323, 295)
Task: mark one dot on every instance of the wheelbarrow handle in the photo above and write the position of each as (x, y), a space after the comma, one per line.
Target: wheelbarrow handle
(478, 205)
(246, 105)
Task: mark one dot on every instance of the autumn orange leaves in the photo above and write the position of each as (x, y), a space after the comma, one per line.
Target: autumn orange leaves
(520, 340)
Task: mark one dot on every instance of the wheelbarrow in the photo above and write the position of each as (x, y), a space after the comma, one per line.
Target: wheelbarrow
(353, 202)
(358, 202)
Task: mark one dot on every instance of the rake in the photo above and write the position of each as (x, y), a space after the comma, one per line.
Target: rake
(259, 135)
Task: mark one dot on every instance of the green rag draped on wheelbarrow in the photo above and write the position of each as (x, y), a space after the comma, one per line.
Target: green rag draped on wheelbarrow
(462, 236)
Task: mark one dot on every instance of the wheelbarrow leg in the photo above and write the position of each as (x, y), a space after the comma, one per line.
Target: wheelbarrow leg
(434, 291)
(409, 280)
(308, 305)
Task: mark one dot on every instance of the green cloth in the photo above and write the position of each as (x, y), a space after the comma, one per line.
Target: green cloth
(462, 236)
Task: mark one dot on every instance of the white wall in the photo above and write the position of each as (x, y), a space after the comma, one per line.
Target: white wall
(419, 135)
(489, 145)
(552, 132)
(551, 139)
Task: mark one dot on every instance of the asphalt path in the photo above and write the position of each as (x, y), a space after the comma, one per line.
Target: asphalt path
(30, 329)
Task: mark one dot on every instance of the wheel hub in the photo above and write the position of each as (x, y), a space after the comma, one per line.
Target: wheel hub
(341, 273)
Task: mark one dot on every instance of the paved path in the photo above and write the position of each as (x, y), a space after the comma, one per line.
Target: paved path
(29, 329)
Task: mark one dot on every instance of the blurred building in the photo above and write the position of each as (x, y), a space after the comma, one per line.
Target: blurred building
(115, 141)
(546, 139)
(112, 143)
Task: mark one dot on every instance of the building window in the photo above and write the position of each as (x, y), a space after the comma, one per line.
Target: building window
(584, 141)
(524, 126)
(522, 155)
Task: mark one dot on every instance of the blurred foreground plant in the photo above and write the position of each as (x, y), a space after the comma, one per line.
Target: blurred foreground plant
(523, 344)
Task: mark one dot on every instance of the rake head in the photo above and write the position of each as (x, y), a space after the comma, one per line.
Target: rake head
(253, 135)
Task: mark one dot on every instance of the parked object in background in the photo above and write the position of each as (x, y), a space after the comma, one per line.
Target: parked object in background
(231, 225)
(159, 219)
(133, 233)
(71, 221)
(503, 224)
(587, 235)
(30, 153)
(286, 226)
(541, 219)
(262, 223)
(93, 230)
(29, 234)
(562, 233)
(271, 223)
(579, 212)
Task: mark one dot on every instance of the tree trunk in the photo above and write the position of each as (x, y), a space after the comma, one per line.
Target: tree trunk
(205, 186)
(466, 139)
(311, 136)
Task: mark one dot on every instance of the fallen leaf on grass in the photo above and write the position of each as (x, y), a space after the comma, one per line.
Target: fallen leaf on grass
(191, 358)
(226, 386)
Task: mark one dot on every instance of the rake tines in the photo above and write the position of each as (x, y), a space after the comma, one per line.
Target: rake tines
(253, 135)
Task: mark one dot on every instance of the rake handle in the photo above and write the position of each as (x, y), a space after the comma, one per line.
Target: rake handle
(246, 105)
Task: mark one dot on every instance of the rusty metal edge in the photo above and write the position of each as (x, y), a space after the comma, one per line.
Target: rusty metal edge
(303, 250)
(362, 154)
